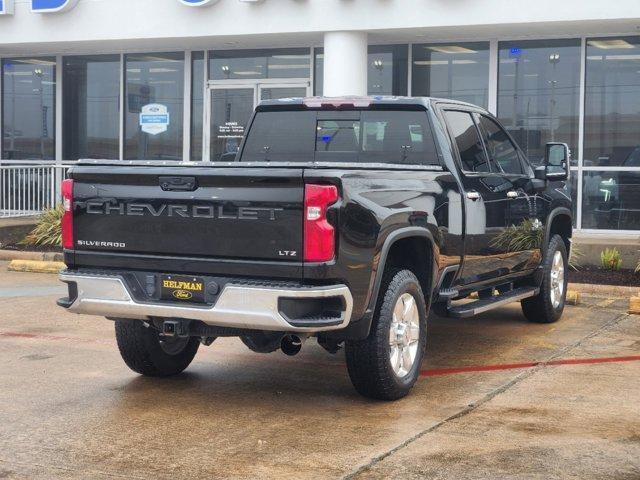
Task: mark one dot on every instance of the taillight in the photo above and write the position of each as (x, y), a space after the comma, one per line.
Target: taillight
(67, 217)
(319, 234)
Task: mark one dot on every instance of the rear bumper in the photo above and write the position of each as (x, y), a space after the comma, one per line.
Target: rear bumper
(238, 306)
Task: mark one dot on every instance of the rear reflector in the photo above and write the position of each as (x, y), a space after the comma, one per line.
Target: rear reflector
(319, 234)
(67, 217)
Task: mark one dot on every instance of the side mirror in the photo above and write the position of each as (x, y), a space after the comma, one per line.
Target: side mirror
(556, 161)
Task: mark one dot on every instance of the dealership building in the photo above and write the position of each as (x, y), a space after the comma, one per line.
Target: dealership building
(178, 79)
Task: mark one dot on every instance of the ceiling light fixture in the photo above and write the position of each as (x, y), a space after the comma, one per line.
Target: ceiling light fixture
(610, 44)
(453, 49)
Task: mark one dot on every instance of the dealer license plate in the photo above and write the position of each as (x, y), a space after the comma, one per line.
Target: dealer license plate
(182, 288)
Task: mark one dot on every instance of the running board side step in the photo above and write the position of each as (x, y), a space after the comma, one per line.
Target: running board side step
(484, 305)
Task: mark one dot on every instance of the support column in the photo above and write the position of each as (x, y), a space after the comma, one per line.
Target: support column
(345, 63)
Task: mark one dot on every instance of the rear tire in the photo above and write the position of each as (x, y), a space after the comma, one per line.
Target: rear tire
(386, 365)
(548, 305)
(148, 353)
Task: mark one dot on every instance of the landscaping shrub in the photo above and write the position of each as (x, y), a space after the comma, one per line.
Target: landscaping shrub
(48, 230)
(574, 258)
(525, 236)
(610, 259)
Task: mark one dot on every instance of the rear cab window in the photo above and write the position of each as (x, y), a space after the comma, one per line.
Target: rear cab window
(401, 137)
(503, 154)
(467, 138)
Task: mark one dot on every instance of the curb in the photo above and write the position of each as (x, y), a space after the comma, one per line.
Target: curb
(35, 266)
(35, 256)
(611, 291)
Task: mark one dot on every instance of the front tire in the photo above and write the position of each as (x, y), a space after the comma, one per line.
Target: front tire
(548, 305)
(148, 353)
(386, 365)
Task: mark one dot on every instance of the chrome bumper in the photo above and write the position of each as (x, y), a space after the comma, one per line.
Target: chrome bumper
(238, 306)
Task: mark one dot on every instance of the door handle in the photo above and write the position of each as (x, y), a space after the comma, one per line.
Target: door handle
(512, 194)
(473, 195)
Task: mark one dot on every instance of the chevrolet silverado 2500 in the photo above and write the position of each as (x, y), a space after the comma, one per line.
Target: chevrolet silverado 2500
(347, 220)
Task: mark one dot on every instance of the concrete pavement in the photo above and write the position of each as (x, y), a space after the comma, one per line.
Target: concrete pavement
(69, 407)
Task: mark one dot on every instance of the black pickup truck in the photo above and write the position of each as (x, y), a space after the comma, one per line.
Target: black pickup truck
(344, 219)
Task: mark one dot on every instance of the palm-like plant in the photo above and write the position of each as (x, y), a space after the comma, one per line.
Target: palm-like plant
(610, 259)
(525, 236)
(574, 258)
(48, 230)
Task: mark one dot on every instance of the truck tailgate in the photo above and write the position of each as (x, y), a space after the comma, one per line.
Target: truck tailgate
(220, 212)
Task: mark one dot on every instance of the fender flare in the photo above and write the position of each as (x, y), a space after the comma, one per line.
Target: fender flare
(555, 213)
(399, 234)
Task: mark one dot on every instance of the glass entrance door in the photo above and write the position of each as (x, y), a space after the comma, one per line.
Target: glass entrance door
(230, 108)
(230, 111)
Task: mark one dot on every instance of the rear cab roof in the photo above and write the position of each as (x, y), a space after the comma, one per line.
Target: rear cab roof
(355, 102)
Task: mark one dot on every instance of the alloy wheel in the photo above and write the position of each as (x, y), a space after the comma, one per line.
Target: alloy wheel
(404, 335)
(557, 279)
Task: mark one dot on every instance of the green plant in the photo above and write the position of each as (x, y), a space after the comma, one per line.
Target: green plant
(48, 230)
(574, 258)
(524, 236)
(610, 259)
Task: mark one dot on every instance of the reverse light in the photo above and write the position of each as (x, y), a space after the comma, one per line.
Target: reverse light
(67, 217)
(319, 234)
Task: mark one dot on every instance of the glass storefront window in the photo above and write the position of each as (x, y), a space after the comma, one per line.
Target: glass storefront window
(611, 200)
(197, 104)
(539, 93)
(256, 64)
(387, 70)
(154, 106)
(459, 71)
(612, 102)
(28, 108)
(91, 107)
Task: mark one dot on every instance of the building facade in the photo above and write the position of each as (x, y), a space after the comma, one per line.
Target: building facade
(178, 79)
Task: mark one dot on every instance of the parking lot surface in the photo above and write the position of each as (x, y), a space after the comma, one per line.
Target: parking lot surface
(498, 398)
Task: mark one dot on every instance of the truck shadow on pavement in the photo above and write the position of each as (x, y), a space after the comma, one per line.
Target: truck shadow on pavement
(228, 374)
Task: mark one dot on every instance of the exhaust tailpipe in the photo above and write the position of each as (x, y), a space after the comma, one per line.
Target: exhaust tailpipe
(291, 345)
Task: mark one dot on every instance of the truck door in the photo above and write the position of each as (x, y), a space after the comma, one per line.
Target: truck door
(485, 199)
(524, 209)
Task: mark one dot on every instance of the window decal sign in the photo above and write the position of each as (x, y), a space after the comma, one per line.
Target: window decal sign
(154, 119)
(198, 3)
(52, 6)
(6, 7)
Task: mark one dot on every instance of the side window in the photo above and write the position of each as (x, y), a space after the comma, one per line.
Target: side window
(467, 139)
(503, 155)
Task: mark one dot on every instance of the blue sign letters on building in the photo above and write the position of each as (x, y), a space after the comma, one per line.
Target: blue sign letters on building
(52, 6)
(198, 3)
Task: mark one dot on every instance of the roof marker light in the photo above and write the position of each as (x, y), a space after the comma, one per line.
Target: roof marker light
(337, 102)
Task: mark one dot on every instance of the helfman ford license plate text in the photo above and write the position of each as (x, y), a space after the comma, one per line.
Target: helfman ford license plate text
(182, 288)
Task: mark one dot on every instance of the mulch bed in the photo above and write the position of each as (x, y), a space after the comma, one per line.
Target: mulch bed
(597, 276)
